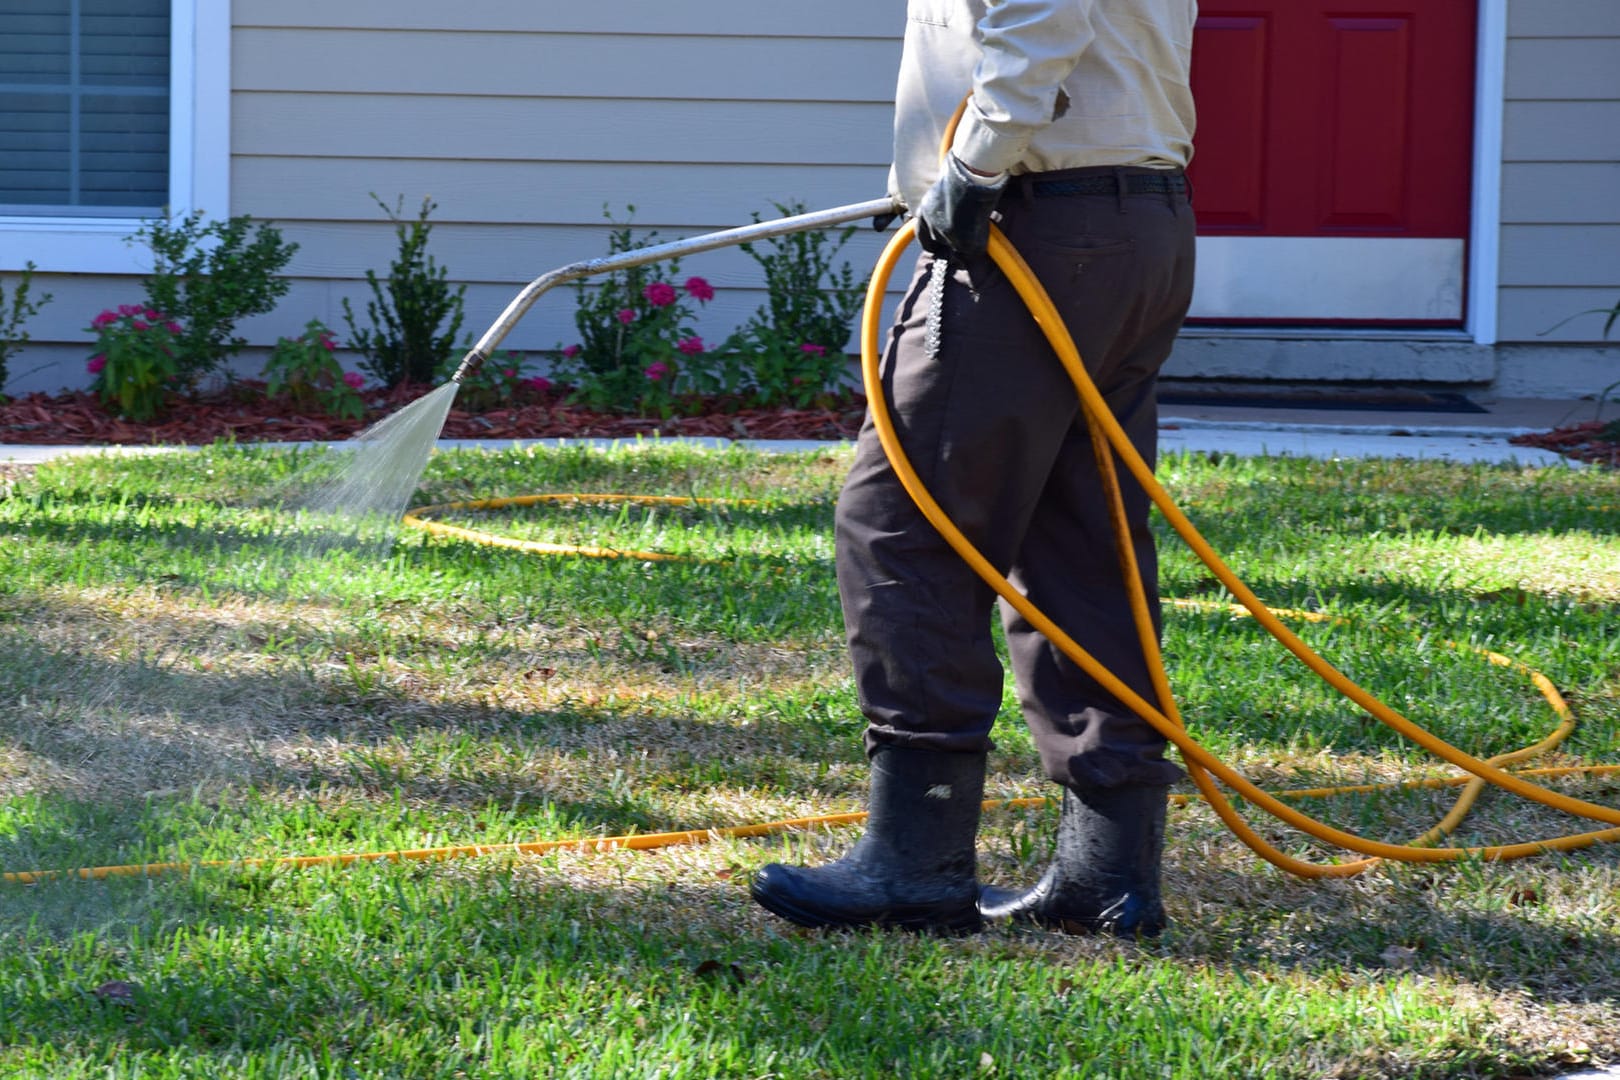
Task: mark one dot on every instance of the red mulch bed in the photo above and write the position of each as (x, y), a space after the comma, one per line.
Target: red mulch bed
(1582, 442)
(247, 415)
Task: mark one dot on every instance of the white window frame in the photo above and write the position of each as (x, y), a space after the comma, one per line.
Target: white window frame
(199, 158)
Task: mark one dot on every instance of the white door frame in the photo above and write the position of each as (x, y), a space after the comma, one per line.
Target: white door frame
(1485, 230)
(1385, 279)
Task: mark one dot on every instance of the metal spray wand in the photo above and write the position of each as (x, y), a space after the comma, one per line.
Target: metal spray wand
(762, 230)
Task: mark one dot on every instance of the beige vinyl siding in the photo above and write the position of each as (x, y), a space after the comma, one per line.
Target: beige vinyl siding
(527, 122)
(1561, 169)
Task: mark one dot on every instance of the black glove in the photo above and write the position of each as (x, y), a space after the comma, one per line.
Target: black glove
(955, 212)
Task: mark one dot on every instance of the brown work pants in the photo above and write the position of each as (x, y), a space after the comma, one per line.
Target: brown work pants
(995, 430)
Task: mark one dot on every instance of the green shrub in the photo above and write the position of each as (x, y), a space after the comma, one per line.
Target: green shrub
(1613, 314)
(12, 316)
(137, 360)
(639, 352)
(809, 302)
(306, 369)
(636, 336)
(795, 341)
(416, 315)
(769, 369)
(1611, 430)
(207, 277)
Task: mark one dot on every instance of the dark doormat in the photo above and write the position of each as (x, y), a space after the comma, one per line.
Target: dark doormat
(1338, 398)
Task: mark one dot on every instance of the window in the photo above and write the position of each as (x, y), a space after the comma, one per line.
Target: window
(84, 107)
(111, 111)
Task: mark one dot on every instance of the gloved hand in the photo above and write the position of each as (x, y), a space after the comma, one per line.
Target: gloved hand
(955, 213)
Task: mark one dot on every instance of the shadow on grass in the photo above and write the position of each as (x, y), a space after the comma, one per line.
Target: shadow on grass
(164, 758)
(1519, 924)
(746, 597)
(136, 752)
(282, 536)
(606, 980)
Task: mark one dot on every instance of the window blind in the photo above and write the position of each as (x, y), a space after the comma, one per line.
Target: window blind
(84, 107)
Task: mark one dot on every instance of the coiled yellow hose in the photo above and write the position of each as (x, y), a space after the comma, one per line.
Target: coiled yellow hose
(1110, 440)
(1204, 767)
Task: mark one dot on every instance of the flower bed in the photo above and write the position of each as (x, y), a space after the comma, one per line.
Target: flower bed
(247, 414)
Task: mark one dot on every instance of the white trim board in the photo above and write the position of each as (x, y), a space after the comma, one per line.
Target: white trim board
(1485, 228)
(1384, 279)
(199, 158)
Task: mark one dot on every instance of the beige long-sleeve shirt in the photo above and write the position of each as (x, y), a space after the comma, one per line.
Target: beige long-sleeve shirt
(1056, 84)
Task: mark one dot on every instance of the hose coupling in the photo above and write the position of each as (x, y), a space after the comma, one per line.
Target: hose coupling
(469, 365)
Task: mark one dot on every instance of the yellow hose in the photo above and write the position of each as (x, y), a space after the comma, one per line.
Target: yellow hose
(1204, 768)
(1107, 433)
(420, 518)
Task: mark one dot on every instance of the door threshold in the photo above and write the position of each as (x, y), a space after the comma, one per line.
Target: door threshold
(1455, 335)
(1313, 398)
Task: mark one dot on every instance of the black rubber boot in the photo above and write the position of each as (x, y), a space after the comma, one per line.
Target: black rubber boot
(914, 868)
(1104, 878)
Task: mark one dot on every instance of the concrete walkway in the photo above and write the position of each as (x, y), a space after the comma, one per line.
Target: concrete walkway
(1246, 431)
(1329, 433)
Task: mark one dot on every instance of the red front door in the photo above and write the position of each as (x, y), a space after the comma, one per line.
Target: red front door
(1334, 158)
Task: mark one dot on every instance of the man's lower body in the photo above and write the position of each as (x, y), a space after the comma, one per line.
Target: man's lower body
(996, 432)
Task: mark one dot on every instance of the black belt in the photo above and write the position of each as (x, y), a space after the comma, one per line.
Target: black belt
(1169, 183)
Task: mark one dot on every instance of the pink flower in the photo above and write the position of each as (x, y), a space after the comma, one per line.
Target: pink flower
(656, 371)
(326, 342)
(174, 328)
(509, 373)
(699, 289)
(659, 294)
(690, 346)
(96, 364)
(626, 316)
(813, 350)
(140, 324)
(106, 318)
(128, 309)
(353, 380)
(538, 383)
(571, 351)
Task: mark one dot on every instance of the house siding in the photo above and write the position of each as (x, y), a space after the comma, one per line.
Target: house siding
(1560, 236)
(529, 124)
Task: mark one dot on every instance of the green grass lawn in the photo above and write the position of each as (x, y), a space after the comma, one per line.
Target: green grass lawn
(190, 672)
